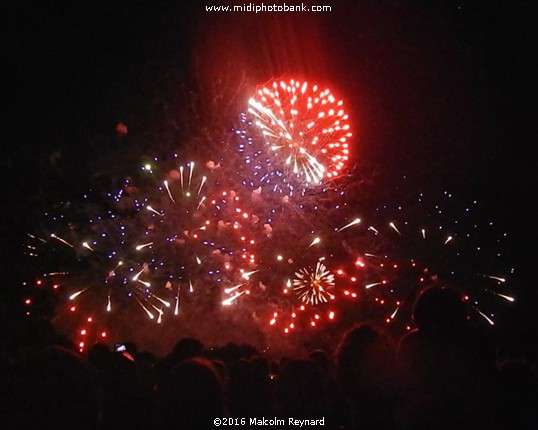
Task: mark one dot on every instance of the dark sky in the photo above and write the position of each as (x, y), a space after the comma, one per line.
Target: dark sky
(439, 91)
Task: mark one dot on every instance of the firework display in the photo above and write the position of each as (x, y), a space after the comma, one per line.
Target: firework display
(267, 230)
(288, 247)
(145, 245)
(430, 241)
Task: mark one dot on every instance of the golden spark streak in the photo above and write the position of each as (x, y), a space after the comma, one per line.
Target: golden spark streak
(352, 223)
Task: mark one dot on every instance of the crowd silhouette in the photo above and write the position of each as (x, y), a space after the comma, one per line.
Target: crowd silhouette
(442, 375)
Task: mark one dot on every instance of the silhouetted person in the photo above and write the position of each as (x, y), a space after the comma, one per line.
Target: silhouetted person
(145, 363)
(447, 369)
(185, 348)
(190, 397)
(99, 355)
(55, 389)
(366, 379)
(240, 392)
(124, 393)
(323, 358)
(250, 388)
(262, 387)
(301, 391)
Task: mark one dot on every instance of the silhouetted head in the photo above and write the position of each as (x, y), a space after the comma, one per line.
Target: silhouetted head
(301, 389)
(365, 377)
(187, 347)
(439, 309)
(98, 355)
(192, 394)
(323, 359)
(56, 388)
(354, 344)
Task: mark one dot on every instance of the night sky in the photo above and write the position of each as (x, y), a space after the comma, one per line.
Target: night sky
(438, 92)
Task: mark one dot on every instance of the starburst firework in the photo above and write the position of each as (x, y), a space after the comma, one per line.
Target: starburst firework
(313, 286)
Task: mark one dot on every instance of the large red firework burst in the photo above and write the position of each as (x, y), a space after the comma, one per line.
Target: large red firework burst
(305, 132)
